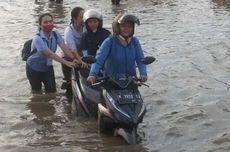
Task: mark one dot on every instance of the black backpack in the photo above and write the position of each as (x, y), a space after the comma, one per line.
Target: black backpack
(26, 50)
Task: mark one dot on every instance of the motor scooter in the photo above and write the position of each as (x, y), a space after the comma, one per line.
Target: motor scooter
(115, 102)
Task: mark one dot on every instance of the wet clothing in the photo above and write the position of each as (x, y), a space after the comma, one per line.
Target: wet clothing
(72, 40)
(39, 68)
(38, 61)
(119, 59)
(36, 79)
(91, 41)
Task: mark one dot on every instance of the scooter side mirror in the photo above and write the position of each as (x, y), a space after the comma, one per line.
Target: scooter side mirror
(148, 60)
(88, 59)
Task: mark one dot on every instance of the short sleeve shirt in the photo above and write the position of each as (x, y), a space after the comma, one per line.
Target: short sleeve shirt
(39, 61)
(72, 37)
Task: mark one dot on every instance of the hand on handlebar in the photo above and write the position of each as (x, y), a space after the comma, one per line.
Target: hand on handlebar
(143, 78)
(80, 64)
(84, 65)
(91, 79)
(77, 61)
(71, 64)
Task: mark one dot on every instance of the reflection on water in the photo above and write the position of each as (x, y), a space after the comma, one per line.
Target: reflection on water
(187, 101)
(57, 10)
(43, 109)
(54, 129)
(225, 3)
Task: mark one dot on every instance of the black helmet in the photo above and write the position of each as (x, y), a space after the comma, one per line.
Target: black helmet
(124, 18)
(92, 14)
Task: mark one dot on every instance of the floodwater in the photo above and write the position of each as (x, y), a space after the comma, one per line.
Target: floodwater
(188, 100)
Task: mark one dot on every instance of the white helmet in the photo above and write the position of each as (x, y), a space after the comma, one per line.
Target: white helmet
(92, 14)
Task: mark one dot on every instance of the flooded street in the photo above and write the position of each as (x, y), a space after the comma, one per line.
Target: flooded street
(188, 101)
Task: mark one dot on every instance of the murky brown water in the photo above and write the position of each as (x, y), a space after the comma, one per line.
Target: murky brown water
(188, 100)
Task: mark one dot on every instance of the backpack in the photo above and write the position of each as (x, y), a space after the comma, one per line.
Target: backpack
(26, 50)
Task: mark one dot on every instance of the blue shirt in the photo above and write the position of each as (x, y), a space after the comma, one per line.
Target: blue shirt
(119, 59)
(38, 61)
(72, 38)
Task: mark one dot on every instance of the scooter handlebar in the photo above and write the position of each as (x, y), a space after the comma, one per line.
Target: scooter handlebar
(100, 80)
(138, 82)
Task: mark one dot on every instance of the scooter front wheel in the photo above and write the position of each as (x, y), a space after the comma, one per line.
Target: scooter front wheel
(129, 134)
(100, 121)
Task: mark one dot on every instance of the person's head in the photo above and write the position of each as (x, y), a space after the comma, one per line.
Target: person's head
(93, 20)
(46, 22)
(77, 16)
(124, 25)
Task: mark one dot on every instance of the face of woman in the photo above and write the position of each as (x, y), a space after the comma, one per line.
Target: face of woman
(93, 24)
(47, 24)
(126, 29)
(79, 19)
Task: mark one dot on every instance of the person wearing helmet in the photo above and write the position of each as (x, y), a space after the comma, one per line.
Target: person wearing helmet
(72, 37)
(95, 34)
(120, 53)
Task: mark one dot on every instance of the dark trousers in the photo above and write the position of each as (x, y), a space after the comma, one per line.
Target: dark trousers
(36, 79)
(66, 72)
(67, 77)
